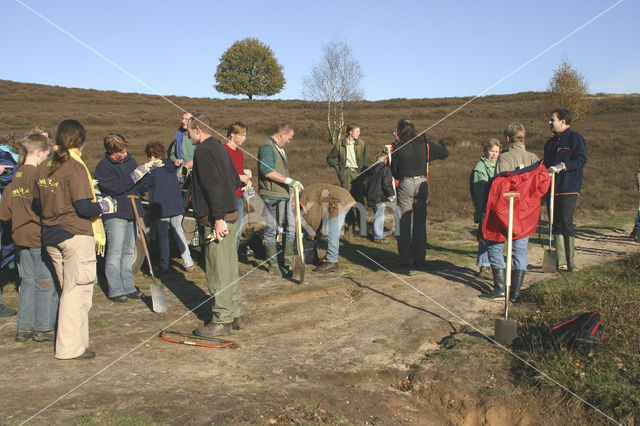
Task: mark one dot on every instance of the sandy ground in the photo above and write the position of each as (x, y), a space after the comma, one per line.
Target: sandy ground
(338, 348)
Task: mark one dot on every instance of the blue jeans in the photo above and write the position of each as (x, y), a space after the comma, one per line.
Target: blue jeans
(38, 294)
(483, 255)
(162, 226)
(520, 259)
(240, 207)
(333, 236)
(279, 214)
(121, 239)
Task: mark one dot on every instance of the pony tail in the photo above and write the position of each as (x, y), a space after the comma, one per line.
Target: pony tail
(59, 157)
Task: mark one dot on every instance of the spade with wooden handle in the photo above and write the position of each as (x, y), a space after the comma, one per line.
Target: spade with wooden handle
(550, 259)
(298, 261)
(506, 330)
(158, 298)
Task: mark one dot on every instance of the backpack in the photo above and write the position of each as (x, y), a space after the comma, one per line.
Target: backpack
(584, 328)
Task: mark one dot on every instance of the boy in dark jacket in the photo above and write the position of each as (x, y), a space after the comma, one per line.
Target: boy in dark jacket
(166, 206)
(376, 185)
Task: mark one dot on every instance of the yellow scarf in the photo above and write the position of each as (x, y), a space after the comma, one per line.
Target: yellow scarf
(96, 222)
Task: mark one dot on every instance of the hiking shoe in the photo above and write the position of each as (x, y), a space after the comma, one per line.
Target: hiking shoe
(327, 267)
(23, 335)
(238, 323)
(213, 329)
(135, 295)
(119, 299)
(635, 235)
(87, 354)
(43, 336)
(381, 241)
(6, 311)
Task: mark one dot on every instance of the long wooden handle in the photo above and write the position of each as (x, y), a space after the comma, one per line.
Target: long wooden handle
(511, 196)
(299, 224)
(551, 203)
(141, 231)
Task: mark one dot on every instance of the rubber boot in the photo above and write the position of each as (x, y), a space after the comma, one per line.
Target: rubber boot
(499, 284)
(272, 259)
(570, 242)
(517, 278)
(560, 252)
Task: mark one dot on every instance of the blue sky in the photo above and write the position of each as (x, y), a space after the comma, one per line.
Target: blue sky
(407, 49)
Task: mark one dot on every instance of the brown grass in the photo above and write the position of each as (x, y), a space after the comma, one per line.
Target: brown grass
(612, 139)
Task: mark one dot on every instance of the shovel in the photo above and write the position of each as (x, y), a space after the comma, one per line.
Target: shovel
(506, 330)
(298, 261)
(158, 298)
(549, 261)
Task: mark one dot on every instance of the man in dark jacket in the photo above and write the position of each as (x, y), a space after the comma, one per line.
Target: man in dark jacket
(565, 153)
(215, 181)
(376, 185)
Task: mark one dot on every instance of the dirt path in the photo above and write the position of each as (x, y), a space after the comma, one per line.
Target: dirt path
(339, 348)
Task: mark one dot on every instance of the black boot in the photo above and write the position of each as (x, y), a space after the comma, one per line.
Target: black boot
(517, 278)
(499, 284)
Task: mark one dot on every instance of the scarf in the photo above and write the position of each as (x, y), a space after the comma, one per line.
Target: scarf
(96, 222)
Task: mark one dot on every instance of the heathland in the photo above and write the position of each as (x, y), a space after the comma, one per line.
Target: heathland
(611, 132)
(373, 342)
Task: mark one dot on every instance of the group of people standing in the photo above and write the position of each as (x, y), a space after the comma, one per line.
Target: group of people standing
(60, 220)
(565, 156)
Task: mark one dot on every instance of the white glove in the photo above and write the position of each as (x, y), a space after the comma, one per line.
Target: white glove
(107, 204)
(293, 182)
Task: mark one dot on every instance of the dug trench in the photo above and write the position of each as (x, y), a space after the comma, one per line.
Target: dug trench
(358, 345)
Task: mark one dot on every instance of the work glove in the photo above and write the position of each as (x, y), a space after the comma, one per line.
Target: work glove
(107, 204)
(557, 168)
(293, 183)
(143, 169)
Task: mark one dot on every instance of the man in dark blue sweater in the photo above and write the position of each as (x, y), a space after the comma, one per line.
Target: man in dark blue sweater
(565, 153)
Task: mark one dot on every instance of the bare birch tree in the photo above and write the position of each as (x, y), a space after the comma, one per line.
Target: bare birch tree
(336, 81)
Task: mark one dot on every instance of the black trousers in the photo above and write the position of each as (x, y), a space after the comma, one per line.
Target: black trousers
(563, 211)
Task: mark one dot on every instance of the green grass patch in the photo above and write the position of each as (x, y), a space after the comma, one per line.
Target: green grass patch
(453, 357)
(608, 375)
(115, 418)
(101, 324)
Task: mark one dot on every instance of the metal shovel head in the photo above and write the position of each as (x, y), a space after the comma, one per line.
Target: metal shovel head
(549, 261)
(158, 298)
(298, 267)
(506, 331)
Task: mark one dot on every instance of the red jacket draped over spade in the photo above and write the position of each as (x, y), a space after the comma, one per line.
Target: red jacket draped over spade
(531, 183)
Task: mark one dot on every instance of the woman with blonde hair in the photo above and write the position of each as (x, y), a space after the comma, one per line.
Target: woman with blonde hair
(480, 175)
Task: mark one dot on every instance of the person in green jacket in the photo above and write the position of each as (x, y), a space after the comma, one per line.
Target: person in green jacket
(181, 149)
(480, 175)
(349, 157)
